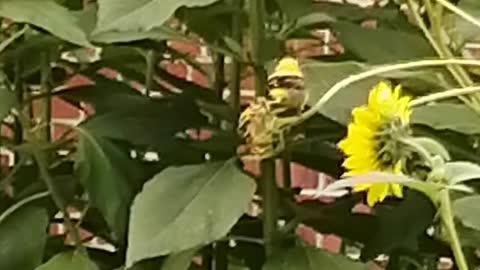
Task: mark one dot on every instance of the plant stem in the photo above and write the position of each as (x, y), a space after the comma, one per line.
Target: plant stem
(19, 92)
(235, 67)
(45, 108)
(444, 94)
(448, 222)
(469, 18)
(268, 179)
(21, 203)
(42, 162)
(373, 72)
(220, 256)
(270, 206)
(151, 59)
(219, 74)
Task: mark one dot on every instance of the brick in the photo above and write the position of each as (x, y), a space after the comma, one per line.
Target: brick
(63, 109)
(186, 48)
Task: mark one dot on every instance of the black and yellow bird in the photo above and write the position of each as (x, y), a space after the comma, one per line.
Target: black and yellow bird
(287, 85)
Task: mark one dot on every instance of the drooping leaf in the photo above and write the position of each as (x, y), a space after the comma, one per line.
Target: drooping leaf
(455, 117)
(106, 173)
(466, 209)
(382, 45)
(180, 260)
(320, 76)
(139, 15)
(183, 207)
(22, 239)
(309, 258)
(48, 15)
(74, 260)
(460, 171)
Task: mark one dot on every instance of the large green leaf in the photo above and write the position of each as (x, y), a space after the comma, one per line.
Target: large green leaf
(106, 172)
(320, 76)
(75, 260)
(295, 9)
(48, 15)
(455, 117)
(184, 207)
(382, 45)
(467, 209)
(140, 14)
(309, 258)
(23, 235)
(180, 260)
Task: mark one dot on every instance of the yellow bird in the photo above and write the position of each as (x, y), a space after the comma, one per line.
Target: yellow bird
(286, 85)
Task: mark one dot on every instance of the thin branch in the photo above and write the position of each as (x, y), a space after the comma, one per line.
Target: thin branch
(444, 94)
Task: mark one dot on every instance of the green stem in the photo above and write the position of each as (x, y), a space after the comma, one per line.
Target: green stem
(444, 94)
(151, 59)
(45, 108)
(235, 67)
(373, 72)
(42, 162)
(439, 47)
(21, 203)
(268, 179)
(219, 74)
(469, 18)
(270, 206)
(448, 222)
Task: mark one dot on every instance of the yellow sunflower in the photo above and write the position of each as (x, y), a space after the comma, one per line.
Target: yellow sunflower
(370, 144)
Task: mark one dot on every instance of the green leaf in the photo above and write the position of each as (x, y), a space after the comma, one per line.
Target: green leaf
(140, 15)
(320, 76)
(158, 33)
(105, 171)
(466, 209)
(454, 117)
(466, 30)
(295, 9)
(432, 146)
(184, 207)
(48, 15)
(308, 258)
(23, 235)
(180, 260)
(75, 260)
(382, 45)
(460, 171)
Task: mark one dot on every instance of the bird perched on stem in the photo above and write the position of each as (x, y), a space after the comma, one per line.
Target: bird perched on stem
(287, 86)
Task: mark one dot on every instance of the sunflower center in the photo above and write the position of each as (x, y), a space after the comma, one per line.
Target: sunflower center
(388, 146)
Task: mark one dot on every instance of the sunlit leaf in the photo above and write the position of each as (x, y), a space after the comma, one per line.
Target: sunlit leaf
(75, 260)
(459, 171)
(46, 14)
(308, 258)
(23, 235)
(455, 117)
(183, 207)
(432, 146)
(140, 15)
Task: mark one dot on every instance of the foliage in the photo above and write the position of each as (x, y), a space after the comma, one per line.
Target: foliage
(190, 206)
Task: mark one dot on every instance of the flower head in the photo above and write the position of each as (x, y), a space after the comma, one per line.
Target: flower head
(372, 140)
